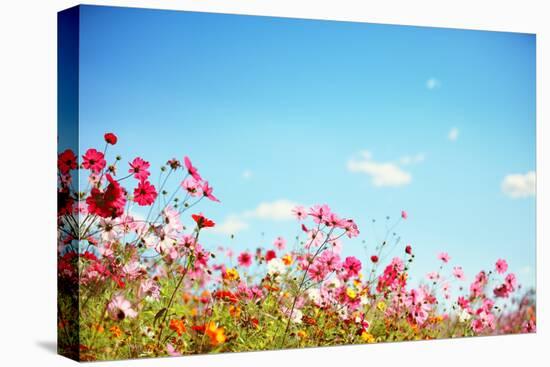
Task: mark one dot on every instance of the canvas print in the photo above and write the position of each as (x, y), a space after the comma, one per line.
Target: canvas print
(232, 183)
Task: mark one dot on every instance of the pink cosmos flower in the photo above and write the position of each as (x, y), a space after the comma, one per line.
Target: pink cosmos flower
(94, 160)
(351, 228)
(149, 288)
(119, 308)
(207, 191)
(333, 220)
(404, 214)
(192, 186)
(279, 243)
(139, 168)
(299, 212)
(501, 266)
(172, 351)
(433, 276)
(458, 273)
(330, 260)
(245, 259)
(352, 266)
(443, 256)
(145, 193)
(319, 212)
(511, 282)
(193, 171)
(317, 271)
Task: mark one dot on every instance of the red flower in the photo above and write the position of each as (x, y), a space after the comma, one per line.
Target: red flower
(408, 249)
(374, 259)
(202, 221)
(145, 193)
(139, 168)
(193, 171)
(245, 259)
(269, 255)
(108, 203)
(66, 161)
(110, 138)
(64, 203)
(225, 296)
(94, 160)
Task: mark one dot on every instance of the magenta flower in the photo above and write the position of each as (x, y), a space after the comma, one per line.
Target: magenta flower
(352, 266)
(139, 168)
(404, 214)
(207, 191)
(93, 160)
(145, 193)
(193, 171)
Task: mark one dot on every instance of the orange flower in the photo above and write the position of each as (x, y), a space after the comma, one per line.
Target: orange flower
(215, 333)
(178, 326)
(99, 328)
(235, 311)
(115, 330)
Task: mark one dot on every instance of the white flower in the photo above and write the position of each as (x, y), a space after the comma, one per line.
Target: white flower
(314, 295)
(464, 315)
(109, 229)
(276, 266)
(297, 316)
(120, 308)
(332, 283)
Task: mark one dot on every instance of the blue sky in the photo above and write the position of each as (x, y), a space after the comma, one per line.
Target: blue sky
(370, 119)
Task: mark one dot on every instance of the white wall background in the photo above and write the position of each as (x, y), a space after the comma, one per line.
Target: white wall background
(27, 179)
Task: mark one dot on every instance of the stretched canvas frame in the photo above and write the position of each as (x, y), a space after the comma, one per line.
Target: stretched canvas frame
(281, 116)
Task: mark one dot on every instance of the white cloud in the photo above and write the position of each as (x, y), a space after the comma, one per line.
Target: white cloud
(278, 210)
(231, 225)
(247, 174)
(453, 134)
(433, 83)
(412, 159)
(382, 173)
(519, 185)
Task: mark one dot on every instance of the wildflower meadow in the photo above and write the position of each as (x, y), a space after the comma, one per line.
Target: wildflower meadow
(133, 286)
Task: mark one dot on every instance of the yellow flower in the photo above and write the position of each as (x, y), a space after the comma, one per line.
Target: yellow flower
(367, 337)
(351, 293)
(235, 311)
(381, 306)
(287, 259)
(231, 274)
(301, 334)
(215, 333)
